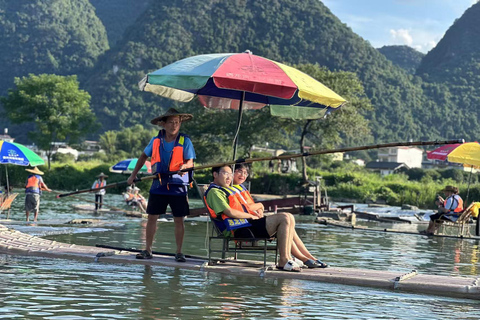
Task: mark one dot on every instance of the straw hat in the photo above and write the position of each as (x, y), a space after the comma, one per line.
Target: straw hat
(136, 189)
(451, 189)
(102, 175)
(34, 171)
(184, 117)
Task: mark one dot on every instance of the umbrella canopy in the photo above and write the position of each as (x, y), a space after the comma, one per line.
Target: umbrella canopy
(127, 166)
(466, 153)
(219, 80)
(17, 154)
(243, 80)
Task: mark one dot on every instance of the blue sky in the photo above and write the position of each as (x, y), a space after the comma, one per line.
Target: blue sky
(417, 23)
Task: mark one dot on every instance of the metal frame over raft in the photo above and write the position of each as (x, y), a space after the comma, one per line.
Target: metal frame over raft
(15, 242)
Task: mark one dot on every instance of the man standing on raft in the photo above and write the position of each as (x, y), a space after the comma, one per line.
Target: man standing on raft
(170, 151)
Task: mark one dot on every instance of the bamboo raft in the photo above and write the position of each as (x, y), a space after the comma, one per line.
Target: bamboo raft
(15, 242)
(348, 225)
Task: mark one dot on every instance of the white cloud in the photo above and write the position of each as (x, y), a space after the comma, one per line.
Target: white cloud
(401, 35)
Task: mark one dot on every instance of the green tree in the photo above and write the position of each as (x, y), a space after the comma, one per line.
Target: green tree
(55, 106)
(346, 125)
(126, 143)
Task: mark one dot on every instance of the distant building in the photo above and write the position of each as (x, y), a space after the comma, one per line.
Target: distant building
(359, 162)
(411, 157)
(68, 150)
(337, 156)
(5, 136)
(386, 168)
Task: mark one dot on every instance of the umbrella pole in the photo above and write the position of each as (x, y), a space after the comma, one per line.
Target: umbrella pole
(468, 188)
(239, 122)
(6, 175)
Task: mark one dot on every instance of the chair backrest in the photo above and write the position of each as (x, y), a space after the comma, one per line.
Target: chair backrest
(7, 202)
(465, 215)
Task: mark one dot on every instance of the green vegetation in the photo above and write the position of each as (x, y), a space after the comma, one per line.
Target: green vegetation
(118, 15)
(47, 36)
(405, 57)
(53, 106)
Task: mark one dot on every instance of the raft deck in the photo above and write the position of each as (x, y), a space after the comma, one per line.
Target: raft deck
(15, 242)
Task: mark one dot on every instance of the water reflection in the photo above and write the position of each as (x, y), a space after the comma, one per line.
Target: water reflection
(35, 288)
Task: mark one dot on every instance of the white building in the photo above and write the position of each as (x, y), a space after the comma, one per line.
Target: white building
(410, 156)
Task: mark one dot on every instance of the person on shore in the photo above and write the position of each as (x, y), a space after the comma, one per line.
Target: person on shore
(299, 250)
(99, 183)
(128, 195)
(33, 189)
(170, 151)
(449, 209)
(139, 199)
(223, 206)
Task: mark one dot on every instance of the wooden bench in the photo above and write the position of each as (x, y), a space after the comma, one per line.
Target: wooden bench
(462, 223)
(229, 244)
(6, 203)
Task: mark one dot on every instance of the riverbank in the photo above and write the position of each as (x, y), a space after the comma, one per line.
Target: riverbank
(414, 187)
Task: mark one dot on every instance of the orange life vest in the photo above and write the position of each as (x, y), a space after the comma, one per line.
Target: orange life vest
(99, 184)
(131, 196)
(33, 184)
(457, 198)
(230, 223)
(176, 160)
(244, 192)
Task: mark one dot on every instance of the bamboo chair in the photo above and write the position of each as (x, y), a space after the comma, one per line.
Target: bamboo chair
(6, 204)
(232, 245)
(462, 223)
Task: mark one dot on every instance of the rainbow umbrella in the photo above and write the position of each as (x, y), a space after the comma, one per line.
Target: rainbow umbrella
(465, 153)
(243, 81)
(14, 153)
(127, 166)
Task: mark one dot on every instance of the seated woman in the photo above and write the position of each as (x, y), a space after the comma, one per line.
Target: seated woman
(128, 196)
(141, 201)
(449, 209)
(299, 251)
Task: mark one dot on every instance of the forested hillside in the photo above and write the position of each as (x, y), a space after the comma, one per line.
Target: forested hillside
(66, 37)
(405, 57)
(118, 15)
(287, 31)
(62, 37)
(456, 58)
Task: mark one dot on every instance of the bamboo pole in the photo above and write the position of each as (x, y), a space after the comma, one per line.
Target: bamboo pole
(281, 157)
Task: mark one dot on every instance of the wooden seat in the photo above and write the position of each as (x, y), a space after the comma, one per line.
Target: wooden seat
(462, 223)
(6, 204)
(230, 244)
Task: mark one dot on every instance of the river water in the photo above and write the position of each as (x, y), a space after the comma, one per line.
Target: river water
(44, 288)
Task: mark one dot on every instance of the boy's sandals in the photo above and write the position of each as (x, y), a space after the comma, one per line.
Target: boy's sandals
(290, 266)
(315, 264)
(144, 254)
(180, 257)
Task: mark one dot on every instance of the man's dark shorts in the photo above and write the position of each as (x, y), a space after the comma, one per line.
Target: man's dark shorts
(258, 229)
(157, 204)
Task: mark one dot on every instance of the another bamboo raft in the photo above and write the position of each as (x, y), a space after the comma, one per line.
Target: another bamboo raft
(15, 242)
